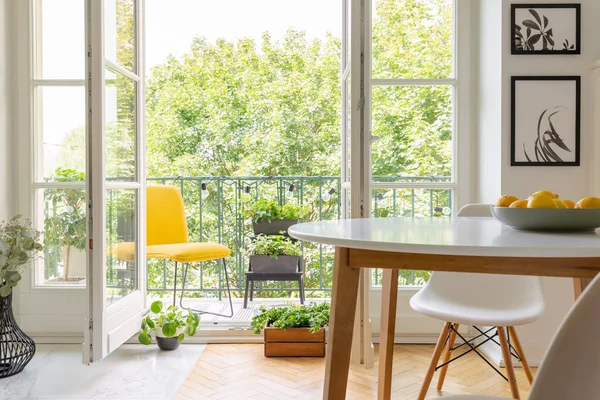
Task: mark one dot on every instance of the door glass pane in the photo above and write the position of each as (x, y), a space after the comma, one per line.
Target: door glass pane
(417, 203)
(60, 131)
(61, 40)
(64, 227)
(412, 39)
(120, 127)
(414, 124)
(121, 238)
(119, 32)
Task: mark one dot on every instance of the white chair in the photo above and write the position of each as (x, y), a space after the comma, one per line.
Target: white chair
(498, 301)
(570, 368)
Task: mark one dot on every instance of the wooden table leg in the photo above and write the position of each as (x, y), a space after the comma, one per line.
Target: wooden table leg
(579, 285)
(389, 299)
(341, 325)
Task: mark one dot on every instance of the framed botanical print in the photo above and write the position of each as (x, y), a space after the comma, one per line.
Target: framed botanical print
(545, 121)
(546, 28)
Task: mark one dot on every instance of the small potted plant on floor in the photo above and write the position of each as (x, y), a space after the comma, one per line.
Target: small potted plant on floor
(270, 218)
(170, 326)
(293, 331)
(274, 253)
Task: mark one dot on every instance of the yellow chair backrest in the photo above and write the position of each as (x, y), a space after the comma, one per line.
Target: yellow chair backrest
(165, 216)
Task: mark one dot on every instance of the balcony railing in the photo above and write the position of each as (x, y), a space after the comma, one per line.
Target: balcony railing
(215, 212)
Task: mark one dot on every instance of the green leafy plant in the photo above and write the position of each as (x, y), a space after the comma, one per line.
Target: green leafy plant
(314, 317)
(546, 139)
(65, 223)
(19, 243)
(263, 210)
(536, 30)
(274, 246)
(170, 322)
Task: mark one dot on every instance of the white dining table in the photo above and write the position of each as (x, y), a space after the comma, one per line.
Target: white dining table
(481, 245)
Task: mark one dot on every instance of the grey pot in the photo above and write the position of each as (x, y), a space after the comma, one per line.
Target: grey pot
(268, 265)
(167, 343)
(273, 227)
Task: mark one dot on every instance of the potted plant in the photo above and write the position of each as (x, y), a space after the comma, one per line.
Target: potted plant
(274, 253)
(270, 218)
(19, 243)
(170, 326)
(64, 225)
(293, 331)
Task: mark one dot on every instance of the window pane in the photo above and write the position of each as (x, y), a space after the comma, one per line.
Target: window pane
(119, 32)
(412, 39)
(62, 40)
(61, 131)
(417, 203)
(120, 128)
(121, 238)
(414, 124)
(64, 234)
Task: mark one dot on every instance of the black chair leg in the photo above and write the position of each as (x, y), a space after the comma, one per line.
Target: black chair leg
(301, 289)
(246, 293)
(228, 293)
(251, 290)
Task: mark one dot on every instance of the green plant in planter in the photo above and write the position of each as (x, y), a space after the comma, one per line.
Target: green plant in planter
(314, 317)
(274, 246)
(169, 322)
(263, 210)
(19, 243)
(65, 223)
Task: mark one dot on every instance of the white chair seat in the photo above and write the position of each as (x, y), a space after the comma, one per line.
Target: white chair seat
(445, 308)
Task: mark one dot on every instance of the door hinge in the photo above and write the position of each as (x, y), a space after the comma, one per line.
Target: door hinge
(91, 325)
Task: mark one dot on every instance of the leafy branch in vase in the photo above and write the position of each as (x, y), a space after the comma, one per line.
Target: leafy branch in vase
(536, 30)
(544, 141)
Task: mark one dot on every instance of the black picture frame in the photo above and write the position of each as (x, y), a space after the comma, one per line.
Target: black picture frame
(515, 50)
(554, 136)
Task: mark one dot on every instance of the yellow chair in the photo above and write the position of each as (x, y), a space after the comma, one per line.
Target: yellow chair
(167, 238)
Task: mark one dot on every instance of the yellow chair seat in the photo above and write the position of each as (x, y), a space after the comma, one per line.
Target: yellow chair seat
(180, 252)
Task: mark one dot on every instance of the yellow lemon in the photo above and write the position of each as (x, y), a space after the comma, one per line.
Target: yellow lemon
(505, 201)
(545, 193)
(540, 201)
(559, 203)
(588, 202)
(519, 204)
(569, 203)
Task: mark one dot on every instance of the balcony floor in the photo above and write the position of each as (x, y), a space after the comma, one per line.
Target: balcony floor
(241, 316)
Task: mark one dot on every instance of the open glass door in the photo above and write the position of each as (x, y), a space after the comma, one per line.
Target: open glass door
(355, 155)
(115, 175)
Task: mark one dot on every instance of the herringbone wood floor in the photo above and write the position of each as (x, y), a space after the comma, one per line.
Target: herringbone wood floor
(229, 371)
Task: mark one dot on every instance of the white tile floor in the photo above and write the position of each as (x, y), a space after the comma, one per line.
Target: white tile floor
(131, 372)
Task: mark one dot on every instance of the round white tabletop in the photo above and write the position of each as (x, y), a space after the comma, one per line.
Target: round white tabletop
(456, 236)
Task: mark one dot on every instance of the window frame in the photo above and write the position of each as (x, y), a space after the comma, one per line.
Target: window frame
(460, 81)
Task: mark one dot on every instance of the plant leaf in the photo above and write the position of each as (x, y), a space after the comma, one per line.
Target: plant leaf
(144, 338)
(536, 15)
(525, 152)
(169, 329)
(156, 307)
(546, 22)
(180, 337)
(534, 39)
(531, 24)
(5, 290)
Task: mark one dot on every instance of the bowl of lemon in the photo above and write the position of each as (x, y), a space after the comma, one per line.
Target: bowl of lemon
(545, 211)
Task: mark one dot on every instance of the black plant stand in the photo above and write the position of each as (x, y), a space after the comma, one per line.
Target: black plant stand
(16, 348)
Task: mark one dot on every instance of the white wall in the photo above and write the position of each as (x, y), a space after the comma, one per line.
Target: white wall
(494, 123)
(6, 111)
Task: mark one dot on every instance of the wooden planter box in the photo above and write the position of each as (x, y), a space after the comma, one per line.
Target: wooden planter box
(294, 342)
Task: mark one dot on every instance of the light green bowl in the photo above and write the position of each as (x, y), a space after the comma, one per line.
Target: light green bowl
(548, 219)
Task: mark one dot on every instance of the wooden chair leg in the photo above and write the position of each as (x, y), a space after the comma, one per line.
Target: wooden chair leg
(344, 296)
(389, 300)
(517, 344)
(510, 372)
(437, 352)
(447, 356)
